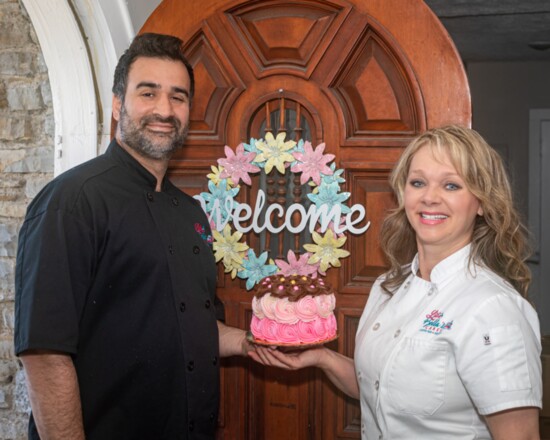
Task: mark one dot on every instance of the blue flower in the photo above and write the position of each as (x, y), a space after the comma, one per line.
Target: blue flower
(255, 268)
(329, 196)
(219, 196)
(251, 148)
(335, 178)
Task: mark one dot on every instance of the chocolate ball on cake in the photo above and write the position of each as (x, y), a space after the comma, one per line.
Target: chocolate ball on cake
(293, 310)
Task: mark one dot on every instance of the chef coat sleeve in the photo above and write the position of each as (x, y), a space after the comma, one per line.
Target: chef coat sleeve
(53, 271)
(498, 358)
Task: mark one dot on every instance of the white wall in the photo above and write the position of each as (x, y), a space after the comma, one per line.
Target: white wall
(502, 96)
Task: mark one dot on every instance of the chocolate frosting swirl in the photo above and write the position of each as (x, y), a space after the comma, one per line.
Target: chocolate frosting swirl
(293, 287)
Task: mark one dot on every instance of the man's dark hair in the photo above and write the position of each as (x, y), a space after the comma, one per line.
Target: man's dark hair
(152, 46)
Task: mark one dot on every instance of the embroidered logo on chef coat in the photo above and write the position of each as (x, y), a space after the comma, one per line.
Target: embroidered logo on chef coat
(201, 230)
(434, 324)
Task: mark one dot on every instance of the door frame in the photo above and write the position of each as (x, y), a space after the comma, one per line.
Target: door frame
(539, 212)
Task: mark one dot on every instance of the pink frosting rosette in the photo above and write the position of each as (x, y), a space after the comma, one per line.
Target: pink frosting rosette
(306, 308)
(285, 312)
(307, 333)
(325, 326)
(267, 304)
(325, 305)
(287, 333)
(257, 308)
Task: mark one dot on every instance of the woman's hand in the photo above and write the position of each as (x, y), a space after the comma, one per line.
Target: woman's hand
(338, 368)
(293, 360)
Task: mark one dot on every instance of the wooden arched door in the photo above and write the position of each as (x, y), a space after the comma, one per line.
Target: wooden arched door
(368, 75)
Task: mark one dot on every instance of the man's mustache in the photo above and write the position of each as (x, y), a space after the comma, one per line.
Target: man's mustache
(156, 118)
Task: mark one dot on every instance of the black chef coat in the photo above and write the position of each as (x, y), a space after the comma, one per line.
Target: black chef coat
(118, 276)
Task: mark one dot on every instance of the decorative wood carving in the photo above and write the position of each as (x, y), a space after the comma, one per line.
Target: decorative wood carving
(217, 85)
(377, 90)
(368, 184)
(348, 409)
(286, 36)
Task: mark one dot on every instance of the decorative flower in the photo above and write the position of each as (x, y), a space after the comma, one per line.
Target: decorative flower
(312, 163)
(220, 193)
(334, 179)
(214, 176)
(327, 250)
(329, 196)
(298, 148)
(297, 266)
(331, 227)
(255, 268)
(237, 166)
(251, 148)
(274, 152)
(227, 247)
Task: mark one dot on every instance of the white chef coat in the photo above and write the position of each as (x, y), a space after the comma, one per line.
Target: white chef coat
(436, 356)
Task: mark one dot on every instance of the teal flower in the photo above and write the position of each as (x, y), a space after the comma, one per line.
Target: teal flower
(251, 148)
(255, 269)
(329, 196)
(334, 179)
(221, 197)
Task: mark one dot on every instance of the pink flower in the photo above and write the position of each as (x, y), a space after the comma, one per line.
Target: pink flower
(237, 166)
(296, 266)
(312, 163)
(332, 227)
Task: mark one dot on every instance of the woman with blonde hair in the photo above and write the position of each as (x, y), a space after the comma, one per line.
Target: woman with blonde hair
(447, 345)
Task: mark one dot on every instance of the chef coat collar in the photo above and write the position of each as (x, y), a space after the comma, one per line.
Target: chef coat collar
(128, 162)
(447, 267)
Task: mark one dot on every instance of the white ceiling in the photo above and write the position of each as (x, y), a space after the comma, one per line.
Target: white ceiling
(483, 30)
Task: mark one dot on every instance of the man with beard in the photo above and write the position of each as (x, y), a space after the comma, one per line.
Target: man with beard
(117, 322)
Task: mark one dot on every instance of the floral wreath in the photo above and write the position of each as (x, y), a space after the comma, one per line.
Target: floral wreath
(274, 152)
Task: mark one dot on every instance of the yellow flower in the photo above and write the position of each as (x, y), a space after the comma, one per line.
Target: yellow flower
(326, 250)
(274, 152)
(214, 176)
(227, 247)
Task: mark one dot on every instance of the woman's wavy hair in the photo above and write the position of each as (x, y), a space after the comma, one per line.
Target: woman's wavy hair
(500, 241)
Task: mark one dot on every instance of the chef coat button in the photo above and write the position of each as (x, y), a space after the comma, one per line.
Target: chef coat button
(196, 250)
(376, 326)
(406, 286)
(182, 307)
(431, 291)
(171, 250)
(175, 201)
(191, 425)
(150, 197)
(397, 333)
(376, 385)
(215, 360)
(207, 304)
(191, 365)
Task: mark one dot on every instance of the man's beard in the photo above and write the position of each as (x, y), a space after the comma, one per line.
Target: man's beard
(153, 146)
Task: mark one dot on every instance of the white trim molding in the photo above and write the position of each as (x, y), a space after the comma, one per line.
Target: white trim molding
(71, 81)
(102, 40)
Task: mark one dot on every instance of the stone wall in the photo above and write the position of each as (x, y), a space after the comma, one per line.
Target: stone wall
(26, 164)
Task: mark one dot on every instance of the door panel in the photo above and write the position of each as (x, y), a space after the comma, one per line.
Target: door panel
(364, 76)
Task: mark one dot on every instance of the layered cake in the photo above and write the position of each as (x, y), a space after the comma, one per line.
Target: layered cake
(293, 310)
